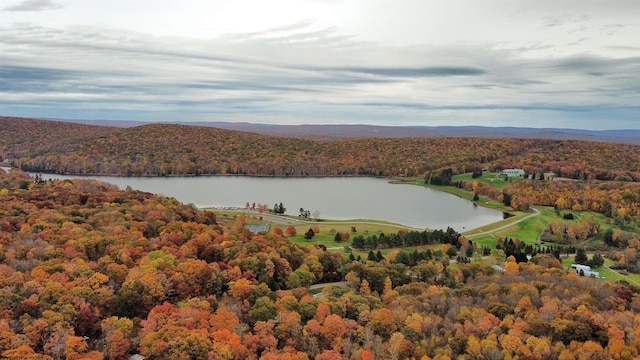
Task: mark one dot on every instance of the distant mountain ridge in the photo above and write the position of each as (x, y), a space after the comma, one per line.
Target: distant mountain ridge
(347, 131)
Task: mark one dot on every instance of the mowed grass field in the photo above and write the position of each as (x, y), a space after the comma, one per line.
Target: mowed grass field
(488, 178)
(467, 195)
(328, 230)
(530, 229)
(606, 272)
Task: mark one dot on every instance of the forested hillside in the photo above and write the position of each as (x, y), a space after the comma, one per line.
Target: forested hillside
(91, 272)
(165, 150)
(30, 137)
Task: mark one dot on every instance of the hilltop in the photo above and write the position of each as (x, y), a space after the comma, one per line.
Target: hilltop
(170, 150)
(353, 131)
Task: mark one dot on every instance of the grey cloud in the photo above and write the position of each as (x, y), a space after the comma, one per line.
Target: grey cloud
(32, 79)
(629, 48)
(244, 85)
(592, 65)
(434, 71)
(309, 75)
(270, 32)
(523, 107)
(33, 5)
(19, 73)
(565, 20)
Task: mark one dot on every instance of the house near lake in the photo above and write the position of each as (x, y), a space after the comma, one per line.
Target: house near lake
(513, 172)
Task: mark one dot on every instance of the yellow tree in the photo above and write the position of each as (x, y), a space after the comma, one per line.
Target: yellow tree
(24, 353)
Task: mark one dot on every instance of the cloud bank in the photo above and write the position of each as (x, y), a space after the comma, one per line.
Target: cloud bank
(309, 70)
(33, 5)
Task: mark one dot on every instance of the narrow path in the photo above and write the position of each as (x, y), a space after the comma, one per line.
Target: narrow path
(536, 212)
(541, 232)
(624, 277)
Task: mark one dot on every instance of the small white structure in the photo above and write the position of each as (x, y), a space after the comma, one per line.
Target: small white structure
(513, 172)
(586, 270)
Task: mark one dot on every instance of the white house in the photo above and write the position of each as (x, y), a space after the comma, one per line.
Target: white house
(586, 270)
(513, 172)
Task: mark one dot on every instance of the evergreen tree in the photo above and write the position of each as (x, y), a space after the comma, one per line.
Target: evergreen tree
(506, 199)
(402, 258)
(596, 261)
(581, 257)
(469, 251)
(428, 254)
(358, 242)
(371, 256)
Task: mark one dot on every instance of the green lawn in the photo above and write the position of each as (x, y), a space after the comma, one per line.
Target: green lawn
(487, 178)
(605, 273)
(485, 241)
(326, 239)
(529, 229)
(467, 195)
(328, 230)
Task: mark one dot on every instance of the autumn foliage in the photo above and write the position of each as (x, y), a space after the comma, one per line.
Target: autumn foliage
(166, 149)
(91, 272)
(88, 271)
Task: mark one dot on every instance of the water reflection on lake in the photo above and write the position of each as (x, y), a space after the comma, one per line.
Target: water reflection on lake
(332, 197)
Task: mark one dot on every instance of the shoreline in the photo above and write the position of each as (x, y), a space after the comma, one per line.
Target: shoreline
(414, 181)
(211, 175)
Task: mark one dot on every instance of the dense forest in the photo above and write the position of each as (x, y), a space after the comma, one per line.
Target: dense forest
(88, 271)
(607, 175)
(170, 150)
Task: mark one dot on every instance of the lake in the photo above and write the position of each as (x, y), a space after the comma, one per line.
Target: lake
(332, 197)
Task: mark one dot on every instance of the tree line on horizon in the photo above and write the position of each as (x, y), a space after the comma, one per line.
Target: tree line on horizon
(181, 150)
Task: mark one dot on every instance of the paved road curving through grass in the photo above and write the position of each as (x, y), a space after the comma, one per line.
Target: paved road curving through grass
(536, 212)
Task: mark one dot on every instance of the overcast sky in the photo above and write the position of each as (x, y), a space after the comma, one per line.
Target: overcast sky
(542, 63)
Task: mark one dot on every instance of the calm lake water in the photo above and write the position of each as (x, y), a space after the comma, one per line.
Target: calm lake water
(331, 197)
